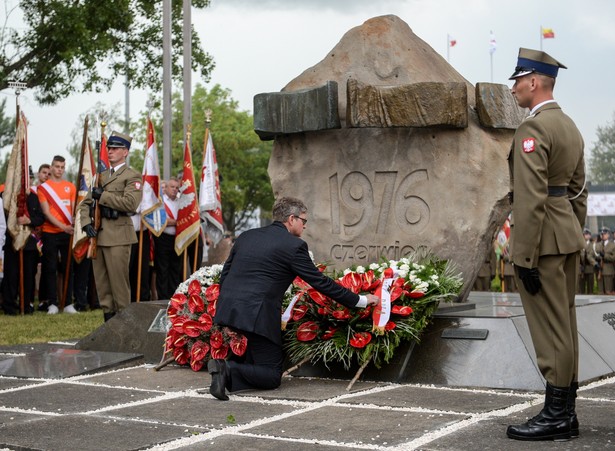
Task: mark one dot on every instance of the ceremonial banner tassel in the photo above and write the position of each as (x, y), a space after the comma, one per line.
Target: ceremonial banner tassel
(17, 185)
(188, 221)
(210, 204)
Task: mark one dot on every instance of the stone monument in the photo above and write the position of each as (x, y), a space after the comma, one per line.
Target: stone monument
(392, 150)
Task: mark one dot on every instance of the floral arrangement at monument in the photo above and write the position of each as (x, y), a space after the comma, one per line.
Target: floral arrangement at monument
(320, 329)
(192, 337)
(316, 327)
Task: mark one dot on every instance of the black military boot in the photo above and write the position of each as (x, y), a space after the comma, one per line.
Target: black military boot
(553, 421)
(571, 406)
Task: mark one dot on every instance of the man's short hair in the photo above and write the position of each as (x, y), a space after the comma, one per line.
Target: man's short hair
(59, 158)
(44, 166)
(287, 206)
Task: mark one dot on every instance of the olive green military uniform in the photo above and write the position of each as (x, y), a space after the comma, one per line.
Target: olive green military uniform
(548, 212)
(122, 193)
(588, 263)
(606, 250)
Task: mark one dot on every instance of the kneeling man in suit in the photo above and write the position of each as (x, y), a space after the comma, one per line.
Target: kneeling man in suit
(262, 264)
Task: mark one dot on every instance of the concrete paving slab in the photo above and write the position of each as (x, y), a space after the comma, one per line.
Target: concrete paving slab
(362, 426)
(170, 378)
(201, 412)
(597, 431)
(606, 391)
(256, 443)
(310, 389)
(88, 433)
(8, 418)
(10, 382)
(71, 397)
(446, 400)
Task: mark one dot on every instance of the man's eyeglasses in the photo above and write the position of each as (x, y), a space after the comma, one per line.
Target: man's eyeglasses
(303, 220)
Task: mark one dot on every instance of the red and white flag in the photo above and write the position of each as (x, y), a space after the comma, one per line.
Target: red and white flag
(452, 42)
(17, 186)
(188, 222)
(210, 204)
(492, 43)
(87, 175)
(151, 208)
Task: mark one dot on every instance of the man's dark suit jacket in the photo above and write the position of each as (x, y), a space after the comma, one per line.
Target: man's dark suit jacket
(262, 264)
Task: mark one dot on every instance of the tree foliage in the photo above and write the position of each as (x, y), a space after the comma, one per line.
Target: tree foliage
(242, 157)
(71, 46)
(602, 162)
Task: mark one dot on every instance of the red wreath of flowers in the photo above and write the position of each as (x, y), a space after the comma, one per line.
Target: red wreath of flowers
(193, 338)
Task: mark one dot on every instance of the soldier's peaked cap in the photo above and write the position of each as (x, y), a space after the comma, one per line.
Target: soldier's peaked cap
(117, 139)
(530, 61)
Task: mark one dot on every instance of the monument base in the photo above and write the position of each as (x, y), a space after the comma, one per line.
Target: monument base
(133, 330)
(486, 343)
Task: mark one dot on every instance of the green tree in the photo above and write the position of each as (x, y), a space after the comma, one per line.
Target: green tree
(602, 162)
(85, 45)
(113, 120)
(242, 157)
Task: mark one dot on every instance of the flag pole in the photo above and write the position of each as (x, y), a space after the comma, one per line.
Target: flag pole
(541, 38)
(141, 222)
(448, 48)
(18, 86)
(207, 124)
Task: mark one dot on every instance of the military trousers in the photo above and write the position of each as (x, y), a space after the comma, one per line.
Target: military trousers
(551, 317)
(112, 277)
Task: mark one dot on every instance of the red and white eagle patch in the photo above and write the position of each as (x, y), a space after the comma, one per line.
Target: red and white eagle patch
(529, 145)
(137, 185)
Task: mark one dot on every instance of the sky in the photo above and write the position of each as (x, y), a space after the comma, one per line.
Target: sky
(260, 45)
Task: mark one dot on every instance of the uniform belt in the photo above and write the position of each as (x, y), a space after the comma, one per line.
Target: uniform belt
(553, 191)
(557, 191)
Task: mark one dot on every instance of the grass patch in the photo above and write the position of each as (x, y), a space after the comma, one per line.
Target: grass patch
(42, 328)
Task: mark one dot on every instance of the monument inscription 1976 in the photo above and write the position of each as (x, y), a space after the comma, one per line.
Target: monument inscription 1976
(387, 202)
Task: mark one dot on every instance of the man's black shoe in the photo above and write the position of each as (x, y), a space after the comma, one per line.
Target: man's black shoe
(43, 306)
(218, 371)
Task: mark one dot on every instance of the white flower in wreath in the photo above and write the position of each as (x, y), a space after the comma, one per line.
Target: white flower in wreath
(374, 266)
(360, 269)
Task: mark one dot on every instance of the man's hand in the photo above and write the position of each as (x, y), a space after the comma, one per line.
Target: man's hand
(97, 192)
(372, 299)
(530, 279)
(89, 230)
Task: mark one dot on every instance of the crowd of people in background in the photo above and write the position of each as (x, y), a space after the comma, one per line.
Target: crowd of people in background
(596, 271)
(52, 279)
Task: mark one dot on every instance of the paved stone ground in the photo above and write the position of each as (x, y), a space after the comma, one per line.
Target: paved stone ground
(138, 408)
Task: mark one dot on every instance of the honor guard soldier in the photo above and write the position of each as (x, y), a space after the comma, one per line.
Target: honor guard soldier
(606, 254)
(549, 207)
(588, 264)
(118, 196)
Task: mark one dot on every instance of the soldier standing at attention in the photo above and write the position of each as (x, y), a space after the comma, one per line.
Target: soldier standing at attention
(588, 264)
(119, 196)
(547, 173)
(606, 251)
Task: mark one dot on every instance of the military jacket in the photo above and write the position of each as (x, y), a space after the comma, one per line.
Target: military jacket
(547, 151)
(122, 192)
